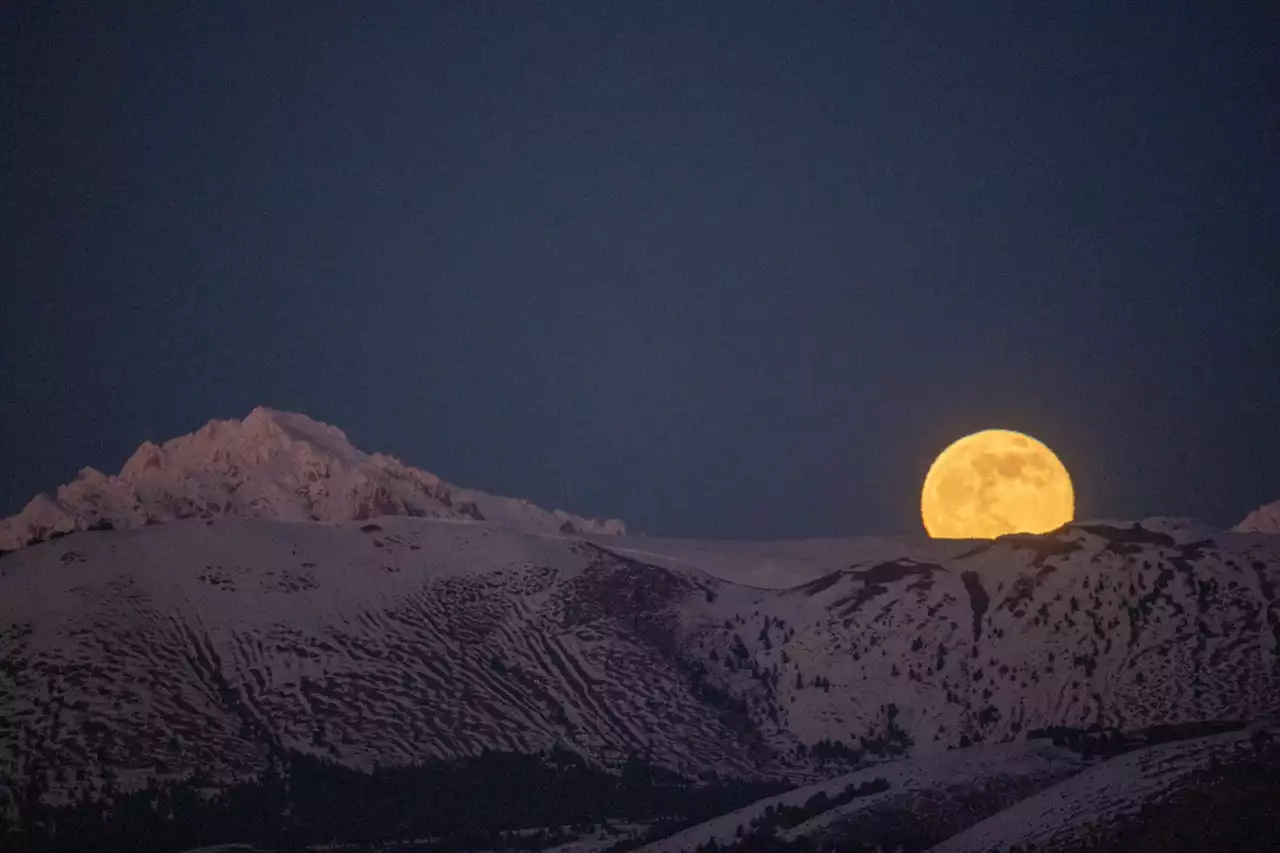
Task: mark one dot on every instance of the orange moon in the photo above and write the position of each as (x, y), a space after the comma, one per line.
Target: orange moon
(995, 482)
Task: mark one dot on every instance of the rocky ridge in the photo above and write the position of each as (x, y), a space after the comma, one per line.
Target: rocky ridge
(1264, 519)
(271, 464)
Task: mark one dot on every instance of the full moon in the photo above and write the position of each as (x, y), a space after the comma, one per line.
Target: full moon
(995, 482)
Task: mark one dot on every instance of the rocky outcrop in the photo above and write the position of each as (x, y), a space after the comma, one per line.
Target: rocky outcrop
(274, 465)
(1264, 519)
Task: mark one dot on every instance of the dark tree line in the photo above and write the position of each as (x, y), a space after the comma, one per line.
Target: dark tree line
(470, 804)
(1103, 742)
(761, 836)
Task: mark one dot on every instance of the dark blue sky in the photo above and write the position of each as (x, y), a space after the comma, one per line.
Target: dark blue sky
(729, 270)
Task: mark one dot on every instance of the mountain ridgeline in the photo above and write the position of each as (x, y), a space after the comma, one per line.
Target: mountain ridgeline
(260, 634)
(271, 464)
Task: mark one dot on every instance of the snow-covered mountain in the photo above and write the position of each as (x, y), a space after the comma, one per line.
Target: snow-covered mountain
(209, 643)
(266, 599)
(1016, 769)
(1264, 519)
(272, 464)
(1035, 794)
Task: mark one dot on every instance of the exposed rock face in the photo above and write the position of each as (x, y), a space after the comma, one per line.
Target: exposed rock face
(274, 465)
(1264, 519)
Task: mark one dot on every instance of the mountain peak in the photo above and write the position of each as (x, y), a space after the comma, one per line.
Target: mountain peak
(293, 427)
(271, 464)
(1264, 519)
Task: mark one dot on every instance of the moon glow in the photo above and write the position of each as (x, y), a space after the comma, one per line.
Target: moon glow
(995, 482)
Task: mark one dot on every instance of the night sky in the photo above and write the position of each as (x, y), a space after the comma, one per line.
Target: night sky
(721, 269)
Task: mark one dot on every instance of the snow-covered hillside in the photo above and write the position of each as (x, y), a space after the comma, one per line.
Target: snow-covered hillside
(1067, 813)
(275, 465)
(210, 643)
(1035, 794)
(1264, 519)
(261, 595)
(1023, 768)
(204, 644)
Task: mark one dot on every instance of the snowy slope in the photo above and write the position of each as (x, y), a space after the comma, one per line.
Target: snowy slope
(209, 643)
(270, 465)
(1017, 796)
(1094, 624)
(204, 644)
(1097, 798)
(1264, 519)
(782, 564)
(262, 588)
(1033, 764)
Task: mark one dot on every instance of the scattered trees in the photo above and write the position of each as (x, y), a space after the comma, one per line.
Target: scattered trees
(472, 804)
